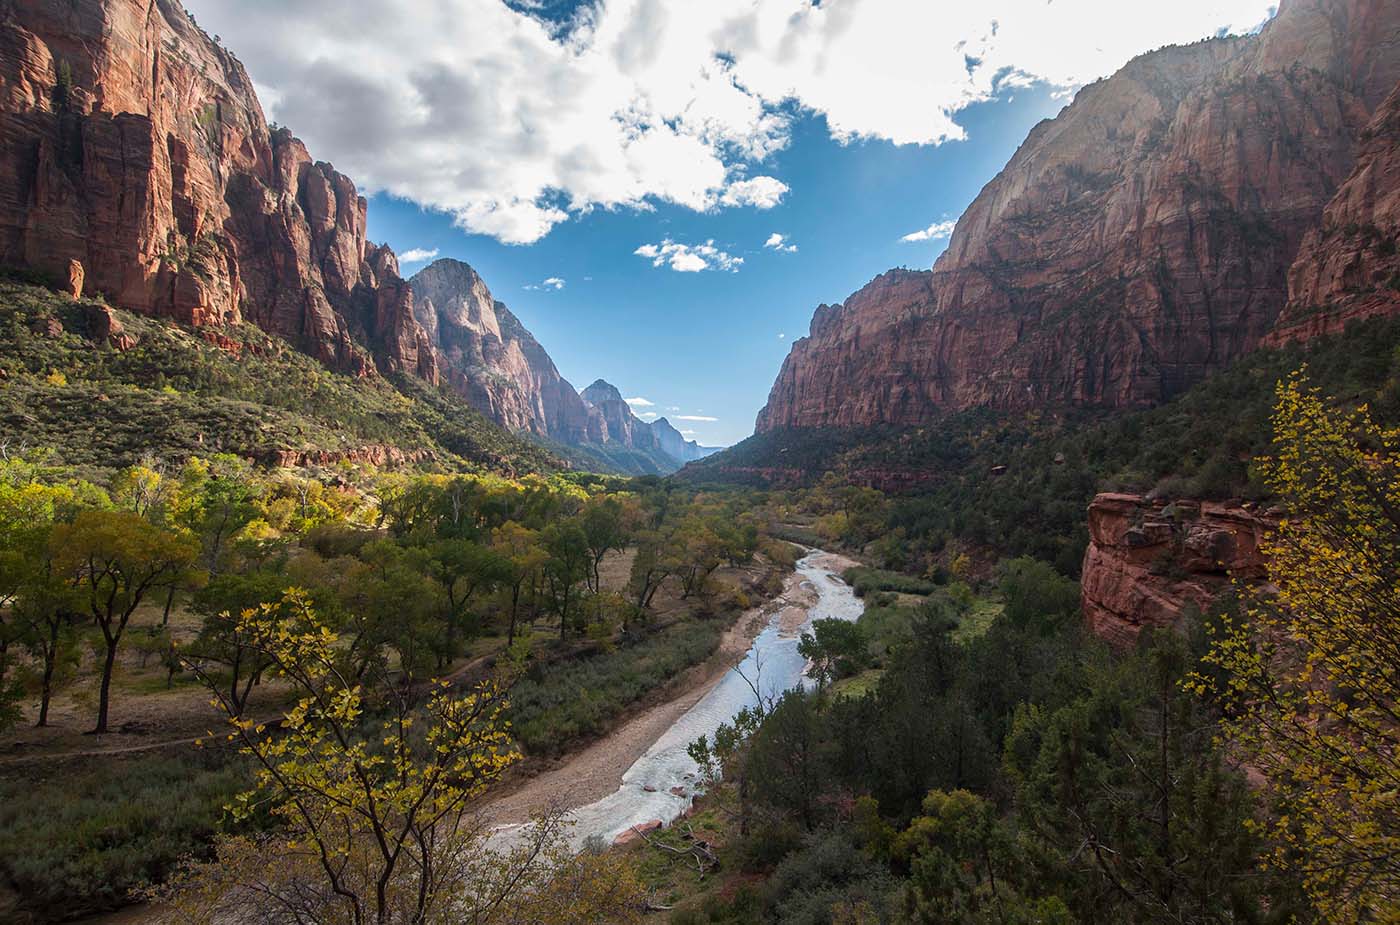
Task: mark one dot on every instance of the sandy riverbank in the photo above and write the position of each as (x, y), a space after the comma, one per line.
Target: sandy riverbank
(597, 770)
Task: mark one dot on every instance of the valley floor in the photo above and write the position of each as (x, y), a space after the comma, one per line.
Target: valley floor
(597, 770)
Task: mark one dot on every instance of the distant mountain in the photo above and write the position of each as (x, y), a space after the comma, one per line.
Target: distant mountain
(487, 355)
(1176, 215)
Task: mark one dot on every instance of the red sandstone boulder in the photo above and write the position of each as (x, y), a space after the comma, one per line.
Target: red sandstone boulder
(1149, 561)
(636, 832)
(104, 328)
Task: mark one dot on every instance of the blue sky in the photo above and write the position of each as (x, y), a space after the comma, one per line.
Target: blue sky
(708, 342)
(550, 140)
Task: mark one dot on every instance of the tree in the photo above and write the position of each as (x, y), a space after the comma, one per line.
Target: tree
(462, 569)
(521, 559)
(114, 559)
(44, 614)
(373, 797)
(566, 566)
(836, 649)
(216, 499)
(1036, 595)
(650, 569)
(222, 639)
(1310, 676)
(603, 531)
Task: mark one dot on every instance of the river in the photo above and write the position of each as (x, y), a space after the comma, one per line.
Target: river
(662, 784)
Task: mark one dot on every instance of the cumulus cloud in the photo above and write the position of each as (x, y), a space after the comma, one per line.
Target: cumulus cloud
(639, 402)
(646, 415)
(511, 121)
(417, 255)
(689, 258)
(935, 232)
(552, 282)
(759, 192)
(695, 417)
(780, 243)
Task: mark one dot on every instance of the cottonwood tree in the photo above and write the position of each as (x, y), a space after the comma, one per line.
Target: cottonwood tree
(114, 559)
(462, 570)
(521, 559)
(1311, 673)
(374, 794)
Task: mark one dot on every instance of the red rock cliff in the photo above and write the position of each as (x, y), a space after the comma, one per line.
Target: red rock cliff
(1349, 266)
(1148, 562)
(134, 144)
(1132, 245)
(488, 356)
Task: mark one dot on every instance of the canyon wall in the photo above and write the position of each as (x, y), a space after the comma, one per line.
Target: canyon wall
(1134, 244)
(136, 162)
(133, 144)
(1148, 562)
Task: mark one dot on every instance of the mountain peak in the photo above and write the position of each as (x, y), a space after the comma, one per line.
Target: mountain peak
(600, 391)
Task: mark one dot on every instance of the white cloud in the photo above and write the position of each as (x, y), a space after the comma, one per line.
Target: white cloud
(689, 258)
(695, 417)
(417, 255)
(648, 415)
(553, 282)
(511, 124)
(686, 433)
(759, 192)
(639, 402)
(780, 243)
(673, 408)
(782, 337)
(935, 232)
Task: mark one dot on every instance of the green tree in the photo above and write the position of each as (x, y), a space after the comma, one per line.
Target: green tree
(114, 559)
(836, 649)
(517, 547)
(462, 570)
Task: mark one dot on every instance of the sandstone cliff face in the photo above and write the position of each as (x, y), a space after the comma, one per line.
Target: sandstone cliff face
(1148, 562)
(133, 144)
(1137, 242)
(489, 357)
(1349, 267)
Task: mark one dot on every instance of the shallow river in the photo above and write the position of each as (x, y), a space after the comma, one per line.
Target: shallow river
(663, 782)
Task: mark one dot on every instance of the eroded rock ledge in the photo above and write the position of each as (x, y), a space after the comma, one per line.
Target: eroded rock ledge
(1150, 561)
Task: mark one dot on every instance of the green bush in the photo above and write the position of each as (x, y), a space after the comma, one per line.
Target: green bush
(78, 842)
(563, 703)
(865, 580)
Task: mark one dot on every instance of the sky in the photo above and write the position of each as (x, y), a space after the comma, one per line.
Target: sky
(664, 190)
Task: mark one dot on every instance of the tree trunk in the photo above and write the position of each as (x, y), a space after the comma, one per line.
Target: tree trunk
(46, 687)
(169, 599)
(104, 692)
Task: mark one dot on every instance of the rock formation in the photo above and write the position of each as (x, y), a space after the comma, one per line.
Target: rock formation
(488, 356)
(1135, 243)
(1149, 561)
(1349, 266)
(133, 145)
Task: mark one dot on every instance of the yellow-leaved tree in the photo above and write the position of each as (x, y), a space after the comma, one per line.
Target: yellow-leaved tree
(371, 790)
(1309, 676)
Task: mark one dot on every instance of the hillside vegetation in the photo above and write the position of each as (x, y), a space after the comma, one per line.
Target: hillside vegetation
(174, 394)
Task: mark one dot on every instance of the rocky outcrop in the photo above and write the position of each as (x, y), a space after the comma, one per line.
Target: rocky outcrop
(1148, 562)
(1348, 268)
(489, 357)
(133, 146)
(1135, 243)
